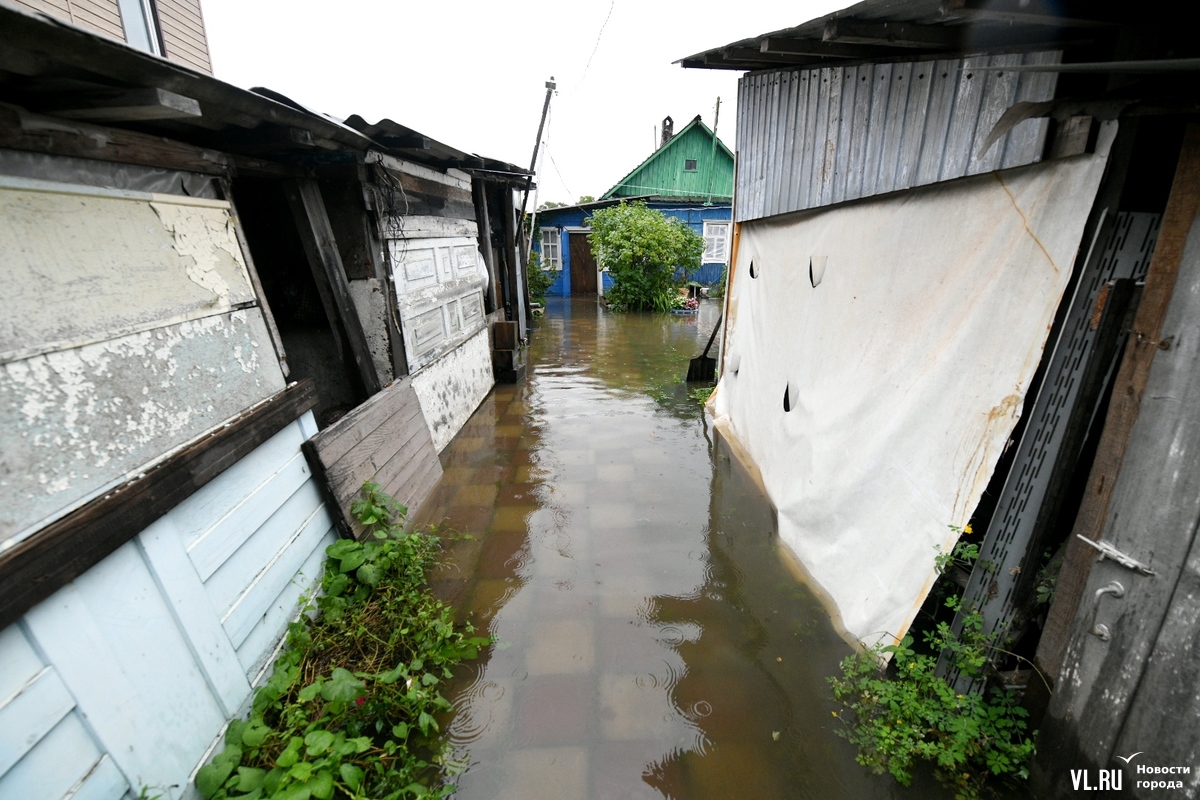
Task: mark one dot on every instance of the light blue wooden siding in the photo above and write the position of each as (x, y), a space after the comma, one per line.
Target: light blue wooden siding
(159, 644)
(812, 137)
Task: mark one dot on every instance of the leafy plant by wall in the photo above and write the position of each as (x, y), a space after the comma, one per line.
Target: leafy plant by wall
(349, 711)
(647, 253)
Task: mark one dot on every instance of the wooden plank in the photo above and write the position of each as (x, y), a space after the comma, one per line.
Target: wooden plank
(894, 127)
(229, 582)
(183, 588)
(30, 714)
(18, 661)
(877, 128)
(217, 544)
(35, 568)
(829, 136)
(122, 105)
(860, 122)
(58, 762)
(368, 443)
(274, 577)
(312, 223)
(333, 443)
(916, 114)
(256, 650)
(944, 78)
(851, 87)
(103, 781)
(968, 96)
(20, 130)
(1000, 91)
(794, 139)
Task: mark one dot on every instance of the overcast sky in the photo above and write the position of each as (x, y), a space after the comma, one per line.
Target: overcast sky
(472, 74)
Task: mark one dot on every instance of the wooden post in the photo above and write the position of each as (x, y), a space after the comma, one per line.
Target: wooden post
(514, 293)
(316, 234)
(483, 219)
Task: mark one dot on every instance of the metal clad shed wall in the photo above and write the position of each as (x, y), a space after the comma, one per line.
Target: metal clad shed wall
(812, 137)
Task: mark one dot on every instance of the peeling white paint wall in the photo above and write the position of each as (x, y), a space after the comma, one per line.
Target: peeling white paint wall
(904, 369)
(128, 331)
(451, 388)
(74, 421)
(83, 264)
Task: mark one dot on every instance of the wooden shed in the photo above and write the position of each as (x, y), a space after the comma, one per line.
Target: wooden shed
(224, 312)
(962, 286)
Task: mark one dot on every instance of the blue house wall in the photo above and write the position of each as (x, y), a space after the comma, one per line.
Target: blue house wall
(694, 215)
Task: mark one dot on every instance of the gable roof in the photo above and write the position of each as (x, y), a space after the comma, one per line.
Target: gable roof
(661, 176)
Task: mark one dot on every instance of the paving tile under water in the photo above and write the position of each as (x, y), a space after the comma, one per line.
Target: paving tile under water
(651, 640)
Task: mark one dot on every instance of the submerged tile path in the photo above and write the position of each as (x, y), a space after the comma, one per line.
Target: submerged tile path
(652, 639)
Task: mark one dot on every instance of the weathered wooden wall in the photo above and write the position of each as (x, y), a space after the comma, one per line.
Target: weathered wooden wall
(122, 679)
(809, 138)
(132, 328)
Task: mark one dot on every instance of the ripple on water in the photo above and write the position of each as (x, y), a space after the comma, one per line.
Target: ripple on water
(476, 712)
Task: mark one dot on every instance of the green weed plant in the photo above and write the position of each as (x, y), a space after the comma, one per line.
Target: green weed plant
(905, 713)
(349, 711)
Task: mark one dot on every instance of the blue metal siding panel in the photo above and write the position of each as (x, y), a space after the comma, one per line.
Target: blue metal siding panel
(839, 137)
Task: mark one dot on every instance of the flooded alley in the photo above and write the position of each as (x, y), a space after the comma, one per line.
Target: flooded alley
(652, 638)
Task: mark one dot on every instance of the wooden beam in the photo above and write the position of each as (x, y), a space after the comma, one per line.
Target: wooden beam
(1183, 205)
(320, 247)
(122, 105)
(780, 46)
(891, 34)
(21, 130)
(39, 566)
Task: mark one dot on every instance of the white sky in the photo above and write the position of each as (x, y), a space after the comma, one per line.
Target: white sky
(472, 74)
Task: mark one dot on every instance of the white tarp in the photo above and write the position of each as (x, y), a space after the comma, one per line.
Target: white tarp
(905, 367)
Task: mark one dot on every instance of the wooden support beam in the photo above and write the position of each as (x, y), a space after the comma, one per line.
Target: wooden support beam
(891, 34)
(39, 566)
(783, 47)
(122, 105)
(320, 247)
(21, 130)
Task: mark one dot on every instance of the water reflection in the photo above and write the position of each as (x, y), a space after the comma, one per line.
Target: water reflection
(652, 641)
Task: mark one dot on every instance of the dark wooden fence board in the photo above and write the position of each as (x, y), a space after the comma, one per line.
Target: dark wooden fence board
(385, 440)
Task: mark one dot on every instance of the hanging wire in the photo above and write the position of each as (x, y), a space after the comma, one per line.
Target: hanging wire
(596, 46)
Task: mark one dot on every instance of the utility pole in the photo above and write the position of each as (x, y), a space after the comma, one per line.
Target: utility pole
(712, 157)
(550, 86)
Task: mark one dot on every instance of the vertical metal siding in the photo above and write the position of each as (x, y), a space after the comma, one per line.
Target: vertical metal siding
(809, 138)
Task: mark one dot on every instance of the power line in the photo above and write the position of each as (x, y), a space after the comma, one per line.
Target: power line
(595, 47)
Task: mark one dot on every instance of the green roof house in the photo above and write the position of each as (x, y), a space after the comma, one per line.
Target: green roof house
(692, 164)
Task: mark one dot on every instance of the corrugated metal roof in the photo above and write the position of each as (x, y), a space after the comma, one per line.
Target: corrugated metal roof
(809, 138)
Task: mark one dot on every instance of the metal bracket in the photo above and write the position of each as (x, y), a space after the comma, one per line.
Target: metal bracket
(1108, 551)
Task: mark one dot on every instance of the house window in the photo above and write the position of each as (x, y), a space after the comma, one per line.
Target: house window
(716, 242)
(689, 165)
(551, 249)
(140, 22)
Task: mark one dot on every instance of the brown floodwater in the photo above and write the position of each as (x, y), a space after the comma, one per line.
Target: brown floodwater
(652, 639)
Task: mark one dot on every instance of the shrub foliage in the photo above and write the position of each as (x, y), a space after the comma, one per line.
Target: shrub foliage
(647, 253)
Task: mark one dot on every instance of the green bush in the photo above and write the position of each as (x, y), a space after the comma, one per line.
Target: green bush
(647, 253)
(540, 279)
(348, 712)
(972, 739)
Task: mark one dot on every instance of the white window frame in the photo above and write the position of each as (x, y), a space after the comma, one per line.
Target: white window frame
(141, 25)
(551, 249)
(716, 242)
